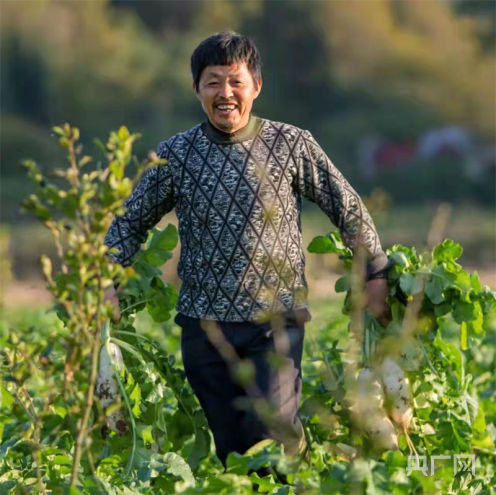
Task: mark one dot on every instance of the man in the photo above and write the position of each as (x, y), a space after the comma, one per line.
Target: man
(236, 182)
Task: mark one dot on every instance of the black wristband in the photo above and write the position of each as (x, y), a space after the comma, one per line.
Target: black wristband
(374, 276)
(382, 273)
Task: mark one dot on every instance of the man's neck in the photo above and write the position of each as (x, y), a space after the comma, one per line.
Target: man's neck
(247, 132)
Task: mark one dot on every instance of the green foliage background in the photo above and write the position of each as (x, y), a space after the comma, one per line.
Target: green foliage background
(340, 69)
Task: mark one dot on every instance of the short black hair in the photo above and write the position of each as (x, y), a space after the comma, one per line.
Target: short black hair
(225, 49)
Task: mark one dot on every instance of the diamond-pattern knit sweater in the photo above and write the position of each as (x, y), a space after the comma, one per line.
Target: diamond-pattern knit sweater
(238, 201)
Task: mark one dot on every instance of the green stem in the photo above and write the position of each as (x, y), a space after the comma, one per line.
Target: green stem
(78, 451)
(429, 363)
(134, 305)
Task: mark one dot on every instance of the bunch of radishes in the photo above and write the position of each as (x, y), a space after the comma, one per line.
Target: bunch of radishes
(383, 393)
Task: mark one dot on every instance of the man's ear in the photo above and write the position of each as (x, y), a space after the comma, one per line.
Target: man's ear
(258, 87)
(195, 90)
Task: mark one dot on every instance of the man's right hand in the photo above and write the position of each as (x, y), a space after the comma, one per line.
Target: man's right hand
(112, 298)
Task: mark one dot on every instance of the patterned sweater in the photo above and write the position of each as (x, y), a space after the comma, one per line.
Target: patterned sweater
(238, 201)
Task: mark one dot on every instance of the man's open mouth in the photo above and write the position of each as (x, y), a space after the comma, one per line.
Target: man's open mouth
(225, 108)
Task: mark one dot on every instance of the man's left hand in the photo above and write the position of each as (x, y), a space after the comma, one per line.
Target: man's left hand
(376, 292)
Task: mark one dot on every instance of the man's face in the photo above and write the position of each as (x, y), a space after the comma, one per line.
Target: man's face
(226, 93)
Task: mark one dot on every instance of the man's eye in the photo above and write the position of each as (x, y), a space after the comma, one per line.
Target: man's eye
(213, 83)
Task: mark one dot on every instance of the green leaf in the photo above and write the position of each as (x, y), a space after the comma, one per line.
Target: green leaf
(176, 465)
(465, 311)
(267, 485)
(201, 448)
(453, 355)
(6, 398)
(475, 282)
(440, 280)
(145, 432)
(236, 463)
(85, 160)
(165, 239)
(411, 284)
(263, 453)
(33, 170)
(463, 280)
(427, 429)
(342, 284)
(159, 245)
(143, 269)
(61, 460)
(58, 130)
(479, 424)
(485, 442)
(156, 257)
(448, 250)
(70, 206)
(403, 255)
(135, 396)
(117, 169)
(34, 204)
(337, 241)
(476, 325)
(399, 258)
(472, 406)
(463, 336)
(123, 133)
(321, 244)
(161, 299)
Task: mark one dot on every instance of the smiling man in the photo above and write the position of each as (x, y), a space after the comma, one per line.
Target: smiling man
(236, 182)
(226, 93)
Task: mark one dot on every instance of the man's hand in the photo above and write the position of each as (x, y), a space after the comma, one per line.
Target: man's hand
(112, 298)
(376, 292)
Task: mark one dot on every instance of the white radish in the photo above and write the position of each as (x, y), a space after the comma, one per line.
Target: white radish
(107, 388)
(368, 414)
(381, 431)
(369, 389)
(398, 396)
(397, 388)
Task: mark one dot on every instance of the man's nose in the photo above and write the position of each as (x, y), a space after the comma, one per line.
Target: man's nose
(225, 90)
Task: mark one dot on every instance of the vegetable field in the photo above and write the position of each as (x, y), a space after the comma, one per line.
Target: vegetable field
(403, 407)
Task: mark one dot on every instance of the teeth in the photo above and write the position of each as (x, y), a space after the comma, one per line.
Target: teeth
(226, 107)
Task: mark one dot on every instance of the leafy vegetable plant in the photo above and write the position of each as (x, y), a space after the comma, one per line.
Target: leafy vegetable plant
(55, 437)
(439, 315)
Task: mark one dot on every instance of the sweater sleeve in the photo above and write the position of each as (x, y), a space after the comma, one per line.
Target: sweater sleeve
(321, 182)
(152, 198)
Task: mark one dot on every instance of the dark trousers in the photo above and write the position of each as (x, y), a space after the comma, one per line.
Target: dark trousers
(263, 407)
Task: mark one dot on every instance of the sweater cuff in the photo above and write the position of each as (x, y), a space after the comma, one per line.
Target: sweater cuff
(378, 267)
